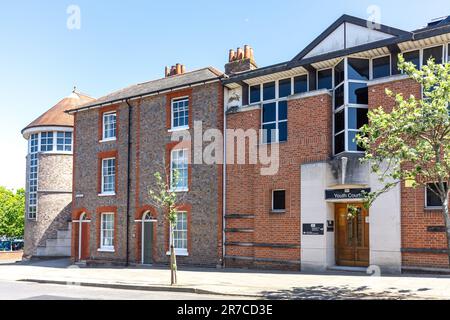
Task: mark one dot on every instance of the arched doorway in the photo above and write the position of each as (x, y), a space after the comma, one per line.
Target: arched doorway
(147, 238)
(83, 237)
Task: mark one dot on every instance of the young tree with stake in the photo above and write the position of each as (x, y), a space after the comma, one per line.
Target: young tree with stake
(166, 200)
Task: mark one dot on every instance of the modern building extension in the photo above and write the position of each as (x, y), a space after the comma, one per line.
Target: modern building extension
(297, 218)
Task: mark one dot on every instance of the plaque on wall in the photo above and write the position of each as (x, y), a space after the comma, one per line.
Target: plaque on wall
(330, 226)
(313, 229)
(345, 194)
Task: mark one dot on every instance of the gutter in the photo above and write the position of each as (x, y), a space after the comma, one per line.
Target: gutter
(144, 95)
(128, 181)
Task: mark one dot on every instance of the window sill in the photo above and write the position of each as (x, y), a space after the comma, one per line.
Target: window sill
(277, 211)
(107, 194)
(179, 190)
(108, 140)
(178, 129)
(106, 250)
(179, 252)
(432, 208)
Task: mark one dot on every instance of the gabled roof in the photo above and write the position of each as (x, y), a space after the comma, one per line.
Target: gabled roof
(383, 36)
(56, 117)
(347, 32)
(154, 87)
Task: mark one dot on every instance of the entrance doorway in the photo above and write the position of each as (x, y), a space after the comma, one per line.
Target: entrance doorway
(83, 238)
(147, 238)
(352, 236)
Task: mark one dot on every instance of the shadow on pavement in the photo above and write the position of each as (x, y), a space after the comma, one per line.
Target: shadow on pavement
(339, 293)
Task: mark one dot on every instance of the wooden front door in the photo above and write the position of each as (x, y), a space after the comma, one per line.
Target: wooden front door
(352, 237)
(147, 242)
(84, 240)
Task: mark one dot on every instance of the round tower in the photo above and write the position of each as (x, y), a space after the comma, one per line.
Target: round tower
(49, 180)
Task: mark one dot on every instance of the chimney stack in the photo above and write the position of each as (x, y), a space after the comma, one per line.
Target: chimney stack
(175, 70)
(240, 60)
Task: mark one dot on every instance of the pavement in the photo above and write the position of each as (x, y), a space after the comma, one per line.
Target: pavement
(233, 282)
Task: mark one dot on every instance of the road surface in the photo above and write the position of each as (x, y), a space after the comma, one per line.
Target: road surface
(12, 290)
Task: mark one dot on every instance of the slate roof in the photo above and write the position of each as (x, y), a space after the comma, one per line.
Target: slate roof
(154, 86)
(56, 116)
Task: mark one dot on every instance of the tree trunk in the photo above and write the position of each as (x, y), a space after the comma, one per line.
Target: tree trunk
(447, 225)
(173, 259)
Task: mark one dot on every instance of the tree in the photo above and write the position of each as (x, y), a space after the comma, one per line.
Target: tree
(411, 142)
(166, 200)
(12, 213)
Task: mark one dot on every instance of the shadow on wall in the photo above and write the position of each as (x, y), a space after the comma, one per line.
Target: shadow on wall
(341, 293)
(60, 222)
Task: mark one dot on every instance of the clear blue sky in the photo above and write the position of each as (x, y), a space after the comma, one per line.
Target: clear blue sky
(125, 42)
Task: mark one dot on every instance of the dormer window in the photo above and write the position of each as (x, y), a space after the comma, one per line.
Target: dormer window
(109, 126)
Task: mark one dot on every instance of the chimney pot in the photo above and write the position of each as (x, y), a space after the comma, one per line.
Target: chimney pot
(240, 60)
(246, 52)
(231, 55)
(183, 69)
(178, 68)
(240, 54)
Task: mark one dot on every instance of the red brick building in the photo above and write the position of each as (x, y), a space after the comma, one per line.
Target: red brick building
(283, 205)
(296, 218)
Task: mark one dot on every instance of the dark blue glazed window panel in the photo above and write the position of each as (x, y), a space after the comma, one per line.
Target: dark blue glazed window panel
(358, 69)
(269, 91)
(284, 88)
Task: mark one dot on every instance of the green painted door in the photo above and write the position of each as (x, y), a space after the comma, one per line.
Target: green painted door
(148, 243)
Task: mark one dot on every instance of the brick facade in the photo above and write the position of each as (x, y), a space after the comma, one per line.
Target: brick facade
(54, 201)
(420, 247)
(256, 236)
(150, 139)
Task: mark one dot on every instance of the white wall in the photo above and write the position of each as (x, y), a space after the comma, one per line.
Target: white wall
(385, 229)
(317, 251)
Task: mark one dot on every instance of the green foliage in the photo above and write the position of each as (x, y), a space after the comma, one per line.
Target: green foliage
(164, 198)
(352, 212)
(411, 142)
(12, 213)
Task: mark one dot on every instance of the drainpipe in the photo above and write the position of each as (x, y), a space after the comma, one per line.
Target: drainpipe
(128, 179)
(224, 178)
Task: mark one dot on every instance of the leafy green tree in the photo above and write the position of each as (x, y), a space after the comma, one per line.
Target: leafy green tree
(12, 213)
(411, 143)
(166, 200)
